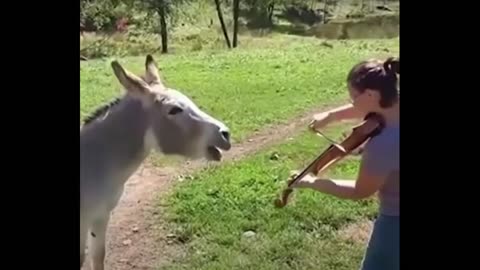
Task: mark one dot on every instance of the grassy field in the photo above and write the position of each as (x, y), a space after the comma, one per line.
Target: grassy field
(250, 88)
(212, 211)
(247, 88)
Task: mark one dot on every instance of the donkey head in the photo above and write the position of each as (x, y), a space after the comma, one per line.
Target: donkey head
(176, 125)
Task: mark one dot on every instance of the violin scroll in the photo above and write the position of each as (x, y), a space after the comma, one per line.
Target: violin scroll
(283, 200)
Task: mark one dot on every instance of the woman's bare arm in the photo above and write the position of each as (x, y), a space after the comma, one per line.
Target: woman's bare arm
(345, 112)
(367, 184)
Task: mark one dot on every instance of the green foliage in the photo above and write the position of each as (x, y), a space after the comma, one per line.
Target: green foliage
(192, 25)
(102, 15)
(118, 45)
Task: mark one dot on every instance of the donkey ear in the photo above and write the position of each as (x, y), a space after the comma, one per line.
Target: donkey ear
(151, 71)
(132, 83)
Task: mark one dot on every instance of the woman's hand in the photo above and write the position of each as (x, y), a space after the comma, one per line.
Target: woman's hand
(320, 120)
(306, 181)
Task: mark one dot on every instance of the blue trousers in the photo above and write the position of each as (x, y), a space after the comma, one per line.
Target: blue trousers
(383, 249)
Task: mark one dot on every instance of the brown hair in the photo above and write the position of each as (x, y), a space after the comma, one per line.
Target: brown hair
(378, 76)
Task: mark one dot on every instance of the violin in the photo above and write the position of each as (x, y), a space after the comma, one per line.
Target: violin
(371, 126)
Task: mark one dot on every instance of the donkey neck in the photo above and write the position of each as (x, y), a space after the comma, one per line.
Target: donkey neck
(117, 140)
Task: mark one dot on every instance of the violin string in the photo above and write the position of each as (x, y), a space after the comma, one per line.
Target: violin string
(340, 147)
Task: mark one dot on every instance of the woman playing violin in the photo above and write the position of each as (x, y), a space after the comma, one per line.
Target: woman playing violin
(372, 86)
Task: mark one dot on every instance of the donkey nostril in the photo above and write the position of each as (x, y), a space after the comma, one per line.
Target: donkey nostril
(226, 135)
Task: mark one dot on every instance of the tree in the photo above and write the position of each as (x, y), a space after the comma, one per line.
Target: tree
(163, 8)
(325, 11)
(236, 10)
(222, 23)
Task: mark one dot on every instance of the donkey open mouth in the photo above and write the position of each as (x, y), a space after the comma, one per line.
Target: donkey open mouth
(215, 153)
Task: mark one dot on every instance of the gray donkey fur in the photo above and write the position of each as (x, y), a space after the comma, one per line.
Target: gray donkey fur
(118, 137)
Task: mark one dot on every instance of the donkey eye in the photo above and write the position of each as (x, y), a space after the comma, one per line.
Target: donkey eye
(175, 110)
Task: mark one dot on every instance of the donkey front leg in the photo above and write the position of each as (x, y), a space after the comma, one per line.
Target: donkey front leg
(97, 242)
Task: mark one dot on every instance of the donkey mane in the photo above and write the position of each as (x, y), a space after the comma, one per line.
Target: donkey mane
(101, 111)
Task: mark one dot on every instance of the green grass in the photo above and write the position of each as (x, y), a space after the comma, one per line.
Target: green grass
(246, 88)
(261, 84)
(211, 212)
(266, 82)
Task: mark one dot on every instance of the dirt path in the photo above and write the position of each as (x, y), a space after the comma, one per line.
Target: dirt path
(136, 238)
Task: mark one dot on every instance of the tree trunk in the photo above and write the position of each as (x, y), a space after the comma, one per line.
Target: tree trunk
(163, 28)
(236, 5)
(224, 28)
(325, 7)
(271, 8)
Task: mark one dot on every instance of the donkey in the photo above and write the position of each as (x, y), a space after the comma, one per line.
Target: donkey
(117, 138)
